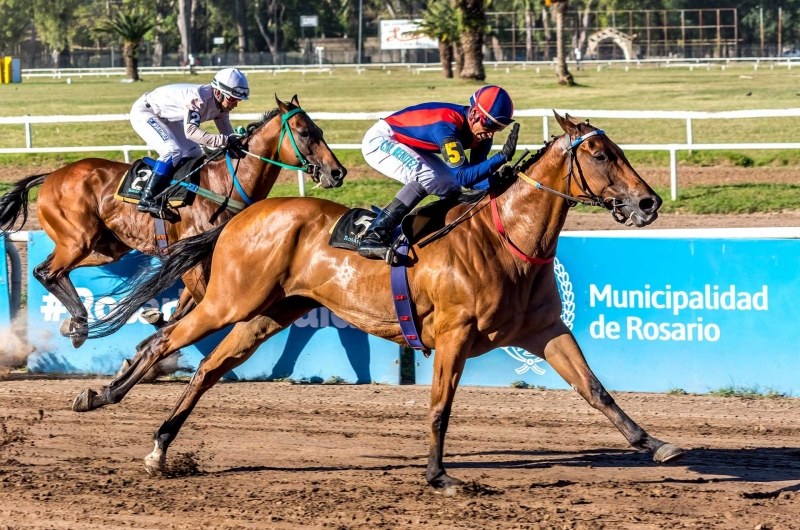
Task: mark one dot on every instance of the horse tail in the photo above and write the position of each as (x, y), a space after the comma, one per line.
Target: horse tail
(15, 202)
(150, 280)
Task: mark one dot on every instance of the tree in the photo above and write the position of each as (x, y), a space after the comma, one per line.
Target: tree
(441, 21)
(130, 27)
(559, 8)
(473, 23)
(15, 20)
(55, 23)
(185, 28)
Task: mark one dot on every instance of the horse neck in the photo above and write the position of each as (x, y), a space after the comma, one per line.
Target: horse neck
(255, 176)
(533, 218)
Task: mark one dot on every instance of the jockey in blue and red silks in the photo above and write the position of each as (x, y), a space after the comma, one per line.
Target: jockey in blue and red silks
(406, 147)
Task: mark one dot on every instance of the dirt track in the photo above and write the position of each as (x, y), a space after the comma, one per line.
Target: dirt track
(272, 455)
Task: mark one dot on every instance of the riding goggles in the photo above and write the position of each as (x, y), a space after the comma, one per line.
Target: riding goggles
(489, 122)
(234, 92)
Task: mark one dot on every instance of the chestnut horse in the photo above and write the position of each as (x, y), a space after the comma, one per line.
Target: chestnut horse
(272, 264)
(77, 208)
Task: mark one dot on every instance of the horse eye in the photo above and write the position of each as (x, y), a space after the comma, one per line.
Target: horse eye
(600, 157)
(304, 134)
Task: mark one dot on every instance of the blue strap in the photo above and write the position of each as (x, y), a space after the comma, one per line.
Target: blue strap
(586, 136)
(247, 200)
(402, 297)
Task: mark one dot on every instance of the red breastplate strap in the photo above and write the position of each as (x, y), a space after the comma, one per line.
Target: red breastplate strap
(498, 223)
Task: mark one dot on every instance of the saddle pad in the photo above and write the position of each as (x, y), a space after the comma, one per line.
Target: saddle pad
(347, 231)
(132, 183)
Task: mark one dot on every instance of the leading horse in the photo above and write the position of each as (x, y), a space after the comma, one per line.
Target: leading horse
(77, 208)
(272, 264)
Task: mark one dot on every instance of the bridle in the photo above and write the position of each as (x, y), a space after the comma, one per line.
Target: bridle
(588, 197)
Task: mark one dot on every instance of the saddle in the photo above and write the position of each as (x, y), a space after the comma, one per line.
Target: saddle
(347, 231)
(131, 185)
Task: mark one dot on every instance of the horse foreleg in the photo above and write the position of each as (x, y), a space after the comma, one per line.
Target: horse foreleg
(448, 365)
(235, 348)
(558, 347)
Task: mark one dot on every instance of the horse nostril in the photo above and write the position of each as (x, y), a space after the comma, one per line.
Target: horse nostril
(338, 174)
(648, 205)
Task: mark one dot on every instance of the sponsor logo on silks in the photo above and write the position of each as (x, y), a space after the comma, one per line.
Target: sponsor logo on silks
(159, 129)
(530, 361)
(397, 151)
(453, 153)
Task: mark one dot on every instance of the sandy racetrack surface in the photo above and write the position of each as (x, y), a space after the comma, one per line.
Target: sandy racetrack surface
(273, 455)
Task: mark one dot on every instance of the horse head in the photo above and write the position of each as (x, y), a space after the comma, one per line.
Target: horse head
(294, 141)
(602, 173)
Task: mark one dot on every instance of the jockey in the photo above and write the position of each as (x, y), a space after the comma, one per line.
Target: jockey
(405, 146)
(169, 118)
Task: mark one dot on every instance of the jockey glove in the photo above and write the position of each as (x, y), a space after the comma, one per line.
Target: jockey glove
(235, 146)
(510, 146)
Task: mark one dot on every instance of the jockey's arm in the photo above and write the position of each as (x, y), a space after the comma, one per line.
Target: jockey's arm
(470, 173)
(223, 123)
(191, 127)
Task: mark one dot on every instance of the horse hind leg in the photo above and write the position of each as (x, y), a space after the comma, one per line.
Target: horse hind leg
(235, 348)
(55, 278)
(558, 347)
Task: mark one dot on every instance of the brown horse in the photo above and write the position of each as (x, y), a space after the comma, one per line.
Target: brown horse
(77, 208)
(272, 264)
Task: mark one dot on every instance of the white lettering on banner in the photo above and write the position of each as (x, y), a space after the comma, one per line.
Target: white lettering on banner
(321, 318)
(54, 311)
(710, 298)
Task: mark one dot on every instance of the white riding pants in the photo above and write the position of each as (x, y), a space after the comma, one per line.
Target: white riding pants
(400, 162)
(165, 137)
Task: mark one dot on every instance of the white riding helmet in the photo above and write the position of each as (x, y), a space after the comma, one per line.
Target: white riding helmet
(231, 82)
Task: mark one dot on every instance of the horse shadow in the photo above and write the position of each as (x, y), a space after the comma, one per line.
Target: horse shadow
(761, 464)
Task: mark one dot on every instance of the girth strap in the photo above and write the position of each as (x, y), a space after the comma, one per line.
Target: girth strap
(402, 298)
(161, 236)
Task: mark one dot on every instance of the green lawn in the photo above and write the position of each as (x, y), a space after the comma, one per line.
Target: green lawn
(345, 91)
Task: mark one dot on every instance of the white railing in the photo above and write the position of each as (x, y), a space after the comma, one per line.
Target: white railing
(329, 68)
(545, 114)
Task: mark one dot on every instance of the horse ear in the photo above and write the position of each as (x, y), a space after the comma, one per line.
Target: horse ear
(571, 119)
(295, 101)
(281, 105)
(567, 124)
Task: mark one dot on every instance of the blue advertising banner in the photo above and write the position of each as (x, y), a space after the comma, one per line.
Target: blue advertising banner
(5, 307)
(656, 314)
(318, 345)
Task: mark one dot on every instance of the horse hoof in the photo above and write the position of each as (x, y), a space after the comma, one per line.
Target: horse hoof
(447, 485)
(152, 315)
(78, 338)
(65, 328)
(668, 454)
(155, 463)
(83, 403)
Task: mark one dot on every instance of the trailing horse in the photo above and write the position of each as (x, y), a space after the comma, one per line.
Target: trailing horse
(272, 264)
(77, 208)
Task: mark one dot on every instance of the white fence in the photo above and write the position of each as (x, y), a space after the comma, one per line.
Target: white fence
(545, 114)
(329, 68)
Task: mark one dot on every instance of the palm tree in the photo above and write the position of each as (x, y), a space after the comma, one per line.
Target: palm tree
(441, 21)
(473, 22)
(130, 27)
(560, 8)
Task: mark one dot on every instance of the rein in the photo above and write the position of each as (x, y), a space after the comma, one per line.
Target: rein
(588, 198)
(285, 128)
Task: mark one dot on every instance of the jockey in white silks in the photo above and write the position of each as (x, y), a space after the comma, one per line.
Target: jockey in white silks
(169, 118)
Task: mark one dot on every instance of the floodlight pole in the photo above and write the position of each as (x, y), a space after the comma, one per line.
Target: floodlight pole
(360, 3)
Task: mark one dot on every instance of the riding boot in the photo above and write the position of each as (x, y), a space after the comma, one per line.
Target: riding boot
(377, 240)
(155, 184)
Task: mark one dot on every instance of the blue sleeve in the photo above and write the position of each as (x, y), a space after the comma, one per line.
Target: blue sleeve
(480, 153)
(470, 175)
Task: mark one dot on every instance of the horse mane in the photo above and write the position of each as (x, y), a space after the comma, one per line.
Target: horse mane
(265, 118)
(535, 157)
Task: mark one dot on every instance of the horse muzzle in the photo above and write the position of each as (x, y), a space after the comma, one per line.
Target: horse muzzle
(331, 179)
(638, 211)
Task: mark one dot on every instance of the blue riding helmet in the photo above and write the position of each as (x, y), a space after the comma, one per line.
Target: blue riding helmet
(494, 106)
